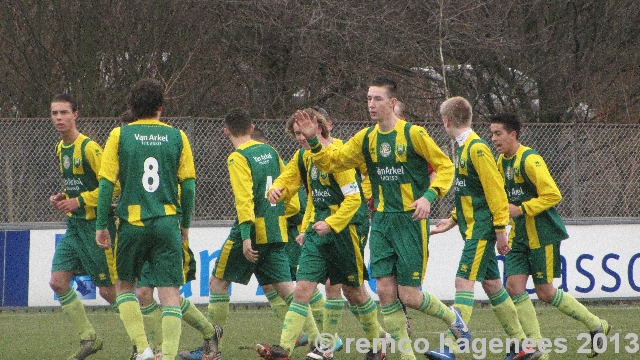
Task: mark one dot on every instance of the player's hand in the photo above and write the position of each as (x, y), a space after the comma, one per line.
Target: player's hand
(68, 205)
(184, 232)
(322, 228)
(442, 226)
(502, 243)
(274, 195)
(514, 211)
(249, 253)
(308, 126)
(423, 208)
(54, 199)
(103, 239)
(300, 239)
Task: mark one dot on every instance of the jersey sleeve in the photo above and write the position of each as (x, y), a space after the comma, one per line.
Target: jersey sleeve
(110, 165)
(309, 215)
(93, 154)
(548, 192)
(351, 203)
(186, 169)
(333, 160)
(242, 186)
(366, 182)
(442, 165)
(290, 178)
(492, 184)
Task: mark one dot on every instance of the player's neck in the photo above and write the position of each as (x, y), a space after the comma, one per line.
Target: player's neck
(387, 124)
(240, 140)
(512, 150)
(70, 136)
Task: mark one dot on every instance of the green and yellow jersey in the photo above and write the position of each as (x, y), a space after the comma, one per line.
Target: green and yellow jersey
(253, 167)
(529, 185)
(151, 159)
(481, 206)
(80, 164)
(396, 163)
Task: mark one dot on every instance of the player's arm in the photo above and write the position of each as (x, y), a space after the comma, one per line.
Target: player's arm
(108, 175)
(333, 160)
(351, 203)
(242, 186)
(93, 154)
(289, 179)
(548, 192)
(492, 185)
(187, 180)
(366, 182)
(442, 165)
(309, 215)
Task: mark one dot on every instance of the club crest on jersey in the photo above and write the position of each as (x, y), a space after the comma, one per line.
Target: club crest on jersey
(66, 162)
(516, 172)
(76, 162)
(509, 173)
(462, 163)
(385, 149)
(314, 173)
(401, 149)
(323, 175)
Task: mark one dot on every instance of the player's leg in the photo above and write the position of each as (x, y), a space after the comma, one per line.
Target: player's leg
(565, 302)
(65, 263)
(332, 309)
(151, 311)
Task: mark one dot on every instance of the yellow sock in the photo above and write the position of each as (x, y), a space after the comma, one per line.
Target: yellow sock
(171, 329)
(317, 305)
(431, 305)
(192, 316)
(368, 316)
(568, 305)
(152, 319)
(132, 318)
(73, 308)
(218, 310)
(396, 323)
(293, 323)
(527, 316)
(333, 309)
(506, 312)
(278, 305)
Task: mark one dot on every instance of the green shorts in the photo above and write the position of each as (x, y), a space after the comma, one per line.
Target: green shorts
(543, 263)
(399, 246)
(272, 266)
(79, 253)
(478, 261)
(158, 242)
(336, 256)
(188, 268)
(293, 250)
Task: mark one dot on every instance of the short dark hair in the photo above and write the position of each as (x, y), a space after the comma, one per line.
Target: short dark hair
(322, 112)
(68, 98)
(510, 122)
(127, 117)
(386, 82)
(146, 98)
(238, 122)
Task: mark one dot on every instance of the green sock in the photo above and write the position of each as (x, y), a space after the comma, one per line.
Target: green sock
(73, 308)
(317, 305)
(192, 316)
(278, 305)
(293, 323)
(333, 309)
(368, 316)
(218, 310)
(171, 329)
(568, 305)
(132, 318)
(396, 323)
(506, 312)
(431, 305)
(152, 319)
(527, 316)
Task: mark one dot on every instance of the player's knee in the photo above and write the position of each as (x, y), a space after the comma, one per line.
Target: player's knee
(545, 293)
(59, 284)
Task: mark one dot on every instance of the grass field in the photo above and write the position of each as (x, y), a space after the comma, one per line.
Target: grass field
(45, 334)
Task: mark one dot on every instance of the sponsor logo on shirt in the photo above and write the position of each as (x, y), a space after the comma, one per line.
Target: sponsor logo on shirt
(320, 195)
(263, 159)
(151, 140)
(72, 184)
(459, 183)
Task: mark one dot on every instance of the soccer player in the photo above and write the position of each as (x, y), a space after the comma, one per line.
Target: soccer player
(331, 247)
(396, 154)
(152, 160)
(536, 232)
(77, 253)
(482, 214)
(256, 243)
